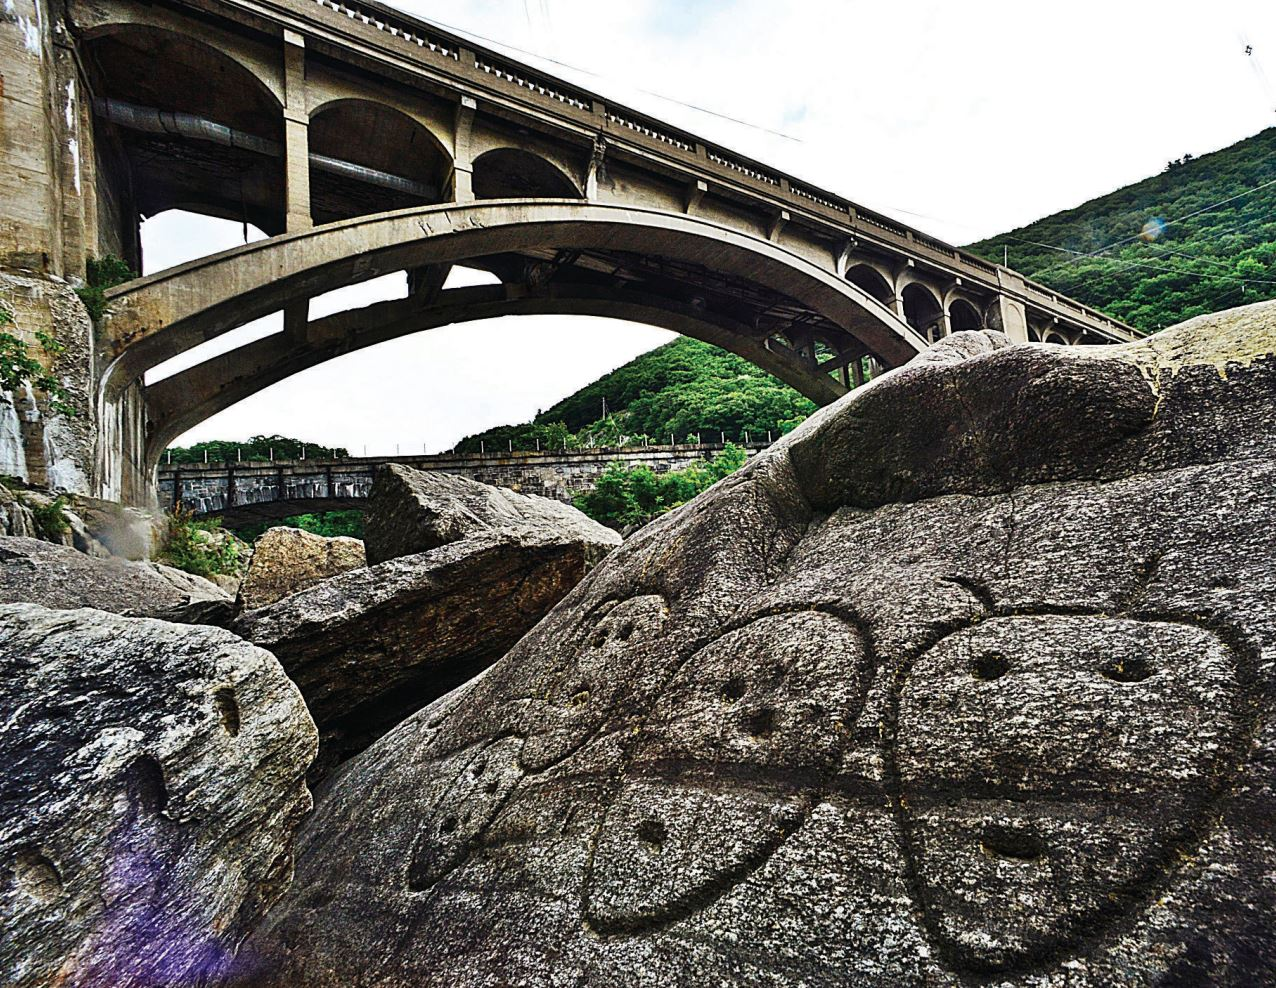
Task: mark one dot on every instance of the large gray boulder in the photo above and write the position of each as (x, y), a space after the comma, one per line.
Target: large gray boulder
(32, 571)
(151, 782)
(287, 560)
(411, 511)
(372, 645)
(967, 681)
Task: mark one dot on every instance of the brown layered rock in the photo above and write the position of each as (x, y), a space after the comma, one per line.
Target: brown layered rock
(412, 511)
(32, 571)
(151, 782)
(286, 560)
(966, 681)
(370, 646)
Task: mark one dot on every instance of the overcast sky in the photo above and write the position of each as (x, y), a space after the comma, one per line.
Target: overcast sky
(964, 119)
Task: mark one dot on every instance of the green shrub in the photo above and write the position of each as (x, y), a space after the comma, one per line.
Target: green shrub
(18, 366)
(625, 496)
(50, 519)
(102, 274)
(347, 522)
(200, 546)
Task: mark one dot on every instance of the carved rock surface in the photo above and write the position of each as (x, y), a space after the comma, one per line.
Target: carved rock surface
(969, 680)
(411, 511)
(370, 646)
(59, 576)
(151, 783)
(286, 560)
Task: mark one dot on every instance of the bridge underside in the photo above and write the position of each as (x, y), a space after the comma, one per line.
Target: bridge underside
(789, 316)
(739, 316)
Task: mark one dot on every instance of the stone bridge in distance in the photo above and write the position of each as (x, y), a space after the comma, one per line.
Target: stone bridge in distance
(364, 142)
(239, 493)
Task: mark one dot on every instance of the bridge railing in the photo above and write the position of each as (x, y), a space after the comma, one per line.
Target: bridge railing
(621, 124)
(248, 487)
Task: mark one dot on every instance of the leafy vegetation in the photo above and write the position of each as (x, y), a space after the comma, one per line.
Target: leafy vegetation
(683, 389)
(256, 448)
(50, 517)
(625, 496)
(102, 274)
(1199, 237)
(19, 366)
(327, 523)
(200, 546)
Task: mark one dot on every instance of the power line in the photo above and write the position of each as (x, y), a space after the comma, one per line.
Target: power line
(598, 75)
(1079, 255)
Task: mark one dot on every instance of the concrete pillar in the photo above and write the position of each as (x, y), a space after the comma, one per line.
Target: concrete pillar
(1008, 314)
(597, 166)
(297, 319)
(1010, 317)
(462, 155)
(296, 135)
(857, 371)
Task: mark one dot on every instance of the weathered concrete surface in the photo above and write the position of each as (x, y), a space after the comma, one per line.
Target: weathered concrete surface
(412, 511)
(969, 680)
(32, 571)
(370, 646)
(151, 782)
(287, 560)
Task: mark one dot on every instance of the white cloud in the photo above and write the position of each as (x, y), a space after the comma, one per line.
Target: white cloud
(963, 119)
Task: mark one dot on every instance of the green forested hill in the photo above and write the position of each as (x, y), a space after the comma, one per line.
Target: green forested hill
(1197, 238)
(680, 389)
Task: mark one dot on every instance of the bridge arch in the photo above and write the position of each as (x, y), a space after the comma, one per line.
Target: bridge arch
(206, 137)
(406, 163)
(871, 281)
(516, 173)
(963, 315)
(137, 25)
(180, 402)
(922, 311)
(154, 318)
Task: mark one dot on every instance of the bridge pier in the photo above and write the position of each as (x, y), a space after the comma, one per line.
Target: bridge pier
(296, 135)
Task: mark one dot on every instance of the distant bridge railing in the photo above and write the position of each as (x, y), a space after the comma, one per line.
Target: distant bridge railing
(245, 491)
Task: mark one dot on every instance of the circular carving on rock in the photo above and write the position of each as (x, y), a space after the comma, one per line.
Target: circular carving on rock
(1040, 804)
(731, 759)
(609, 651)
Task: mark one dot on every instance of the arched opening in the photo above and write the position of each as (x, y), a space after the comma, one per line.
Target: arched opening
(205, 135)
(1056, 337)
(871, 281)
(1033, 335)
(366, 158)
(963, 316)
(512, 173)
(923, 312)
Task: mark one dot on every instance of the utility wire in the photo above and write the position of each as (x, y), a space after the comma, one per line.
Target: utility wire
(598, 75)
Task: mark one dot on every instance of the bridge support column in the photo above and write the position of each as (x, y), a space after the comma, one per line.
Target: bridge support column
(1007, 314)
(462, 157)
(296, 135)
(1010, 316)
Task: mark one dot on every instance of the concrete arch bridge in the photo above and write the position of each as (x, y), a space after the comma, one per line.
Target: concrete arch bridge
(365, 142)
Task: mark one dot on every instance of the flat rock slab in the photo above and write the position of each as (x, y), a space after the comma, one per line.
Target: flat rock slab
(370, 646)
(287, 560)
(151, 782)
(411, 511)
(969, 680)
(32, 571)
